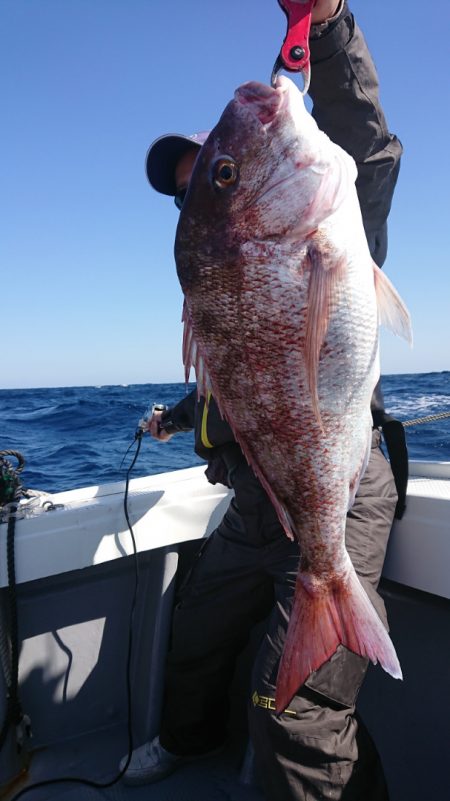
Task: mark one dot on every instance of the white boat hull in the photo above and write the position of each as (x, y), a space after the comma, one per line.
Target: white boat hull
(75, 585)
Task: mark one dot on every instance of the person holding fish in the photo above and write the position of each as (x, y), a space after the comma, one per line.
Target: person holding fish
(282, 305)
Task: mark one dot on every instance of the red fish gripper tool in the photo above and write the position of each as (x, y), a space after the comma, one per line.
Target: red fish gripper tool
(294, 54)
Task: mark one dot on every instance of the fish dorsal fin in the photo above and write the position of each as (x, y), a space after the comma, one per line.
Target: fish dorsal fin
(325, 273)
(393, 312)
(192, 356)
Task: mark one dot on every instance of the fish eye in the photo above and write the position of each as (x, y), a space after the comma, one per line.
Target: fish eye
(225, 173)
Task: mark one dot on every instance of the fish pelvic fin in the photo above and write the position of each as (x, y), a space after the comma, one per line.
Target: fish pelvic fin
(392, 310)
(325, 615)
(192, 357)
(325, 273)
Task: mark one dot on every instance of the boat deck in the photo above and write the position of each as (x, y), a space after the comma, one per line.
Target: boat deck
(216, 778)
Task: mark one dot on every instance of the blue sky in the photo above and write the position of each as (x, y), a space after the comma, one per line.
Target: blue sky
(89, 292)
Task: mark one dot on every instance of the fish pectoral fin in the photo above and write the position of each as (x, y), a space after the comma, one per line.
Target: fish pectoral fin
(393, 312)
(192, 357)
(326, 614)
(325, 273)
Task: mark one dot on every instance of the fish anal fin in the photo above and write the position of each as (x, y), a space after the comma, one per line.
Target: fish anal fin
(283, 514)
(360, 470)
(325, 615)
(392, 310)
(325, 273)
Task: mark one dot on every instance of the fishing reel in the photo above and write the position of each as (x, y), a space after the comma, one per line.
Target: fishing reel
(143, 422)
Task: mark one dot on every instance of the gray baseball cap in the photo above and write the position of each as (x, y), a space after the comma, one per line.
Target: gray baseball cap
(164, 154)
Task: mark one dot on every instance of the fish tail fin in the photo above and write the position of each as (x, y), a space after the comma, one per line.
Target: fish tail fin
(393, 312)
(322, 618)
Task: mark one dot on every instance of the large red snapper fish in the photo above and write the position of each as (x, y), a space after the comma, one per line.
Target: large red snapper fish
(282, 309)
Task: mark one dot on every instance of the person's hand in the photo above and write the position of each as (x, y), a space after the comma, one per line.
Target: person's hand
(154, 429)
(323, 10)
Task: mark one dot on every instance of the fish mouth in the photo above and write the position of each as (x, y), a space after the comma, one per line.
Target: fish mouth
(265, 102)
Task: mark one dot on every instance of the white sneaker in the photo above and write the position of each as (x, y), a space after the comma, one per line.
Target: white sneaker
(149, 763)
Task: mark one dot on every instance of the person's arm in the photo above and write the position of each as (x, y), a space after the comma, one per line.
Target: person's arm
(181, 417)
(344, 91)
(323, 10)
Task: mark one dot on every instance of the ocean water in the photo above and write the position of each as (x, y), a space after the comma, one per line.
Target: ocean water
(77, 436)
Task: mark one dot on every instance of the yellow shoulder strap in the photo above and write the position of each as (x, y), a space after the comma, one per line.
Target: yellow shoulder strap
(204, 435)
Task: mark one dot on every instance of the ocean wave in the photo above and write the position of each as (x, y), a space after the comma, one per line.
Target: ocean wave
(35, 414)
(417, 406)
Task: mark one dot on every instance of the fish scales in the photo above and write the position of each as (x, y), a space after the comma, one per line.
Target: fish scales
(283, 302)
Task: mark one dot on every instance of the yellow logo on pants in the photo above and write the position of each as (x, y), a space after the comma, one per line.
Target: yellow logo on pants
(268, 703)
